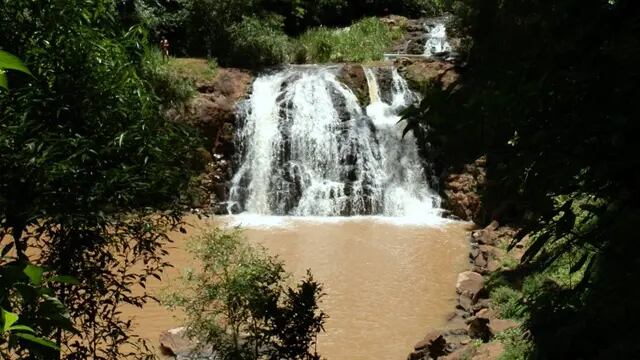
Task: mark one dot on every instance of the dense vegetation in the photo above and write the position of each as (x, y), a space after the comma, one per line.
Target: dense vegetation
(240, 300)
(92, 173)
(363, 41)
(91, 180)
(254, 33)
(547, 93)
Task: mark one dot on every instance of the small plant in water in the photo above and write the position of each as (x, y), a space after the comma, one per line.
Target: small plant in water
(240, 302)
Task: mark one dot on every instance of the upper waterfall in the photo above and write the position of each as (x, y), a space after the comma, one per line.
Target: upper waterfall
(309, 148)
(437, 42)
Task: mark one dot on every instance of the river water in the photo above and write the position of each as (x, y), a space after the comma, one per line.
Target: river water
(387, 282)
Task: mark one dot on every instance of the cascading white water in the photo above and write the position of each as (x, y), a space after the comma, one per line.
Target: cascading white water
(309, 149)
(437, 42)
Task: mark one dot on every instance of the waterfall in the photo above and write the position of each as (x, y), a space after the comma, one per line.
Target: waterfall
(309, 148)
(437, 42)
(372, 82)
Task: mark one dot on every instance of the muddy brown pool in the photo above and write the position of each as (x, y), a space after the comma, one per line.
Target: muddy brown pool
(386, 282)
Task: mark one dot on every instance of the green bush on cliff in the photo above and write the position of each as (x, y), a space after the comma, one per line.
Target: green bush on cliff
(258, 42)
(172, 89)
(241, 303)
(365, 40)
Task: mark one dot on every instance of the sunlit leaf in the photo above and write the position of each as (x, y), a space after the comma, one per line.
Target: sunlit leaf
(12, 62)
(21, 328)
(34, 273)
(3, 80)
(8, 319)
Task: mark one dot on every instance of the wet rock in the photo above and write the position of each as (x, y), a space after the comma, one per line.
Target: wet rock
(460, 190)
(385, 84)
(479, 328)
(352, 75)
(488, 259)
(470, 284)
(432, 346)
(484, 236)
(465, 303)
(175, 343)
(481, 304)
(420, 71)
(434, 342)
(486, 324)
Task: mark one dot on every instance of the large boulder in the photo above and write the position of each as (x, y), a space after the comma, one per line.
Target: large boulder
(353, 76)
(433, 345)
(176, 344)
(439, 343)
(470, 285)
(486, 324)
(420, 71)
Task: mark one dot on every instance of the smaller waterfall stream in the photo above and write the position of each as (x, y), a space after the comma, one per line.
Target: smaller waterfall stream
(309, 149)
(437, 42)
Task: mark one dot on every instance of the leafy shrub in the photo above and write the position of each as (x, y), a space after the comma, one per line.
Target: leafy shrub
(171, 88)
(240, 302)
(364, 41)
(508, 302)
(259, 42)
(92, 173)
(516, 345)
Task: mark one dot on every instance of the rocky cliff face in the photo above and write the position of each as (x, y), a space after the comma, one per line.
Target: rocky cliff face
(213, 112)
(461, 188)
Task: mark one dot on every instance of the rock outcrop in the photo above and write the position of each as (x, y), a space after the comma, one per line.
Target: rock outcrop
(213, 112)
(175, 344)
(474, 308)
(352, 75)
(421, 71)
(461, 190)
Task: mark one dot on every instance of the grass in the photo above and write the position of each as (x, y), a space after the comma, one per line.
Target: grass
(172, 89)
(192, 69)
(508, 302)
(365, 40)
(516, 345)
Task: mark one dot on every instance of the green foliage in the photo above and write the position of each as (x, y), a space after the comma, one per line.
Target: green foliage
(508, 302)
(258, 42)
(28, 302)
(9, 62)
(365, 40)
(239, 302)
(229, 29)
(516, 345)
(194, 70)
(172, 89)
(92, 171)
(550, 109)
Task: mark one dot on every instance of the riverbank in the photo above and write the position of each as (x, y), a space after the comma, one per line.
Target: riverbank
(480, 326)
